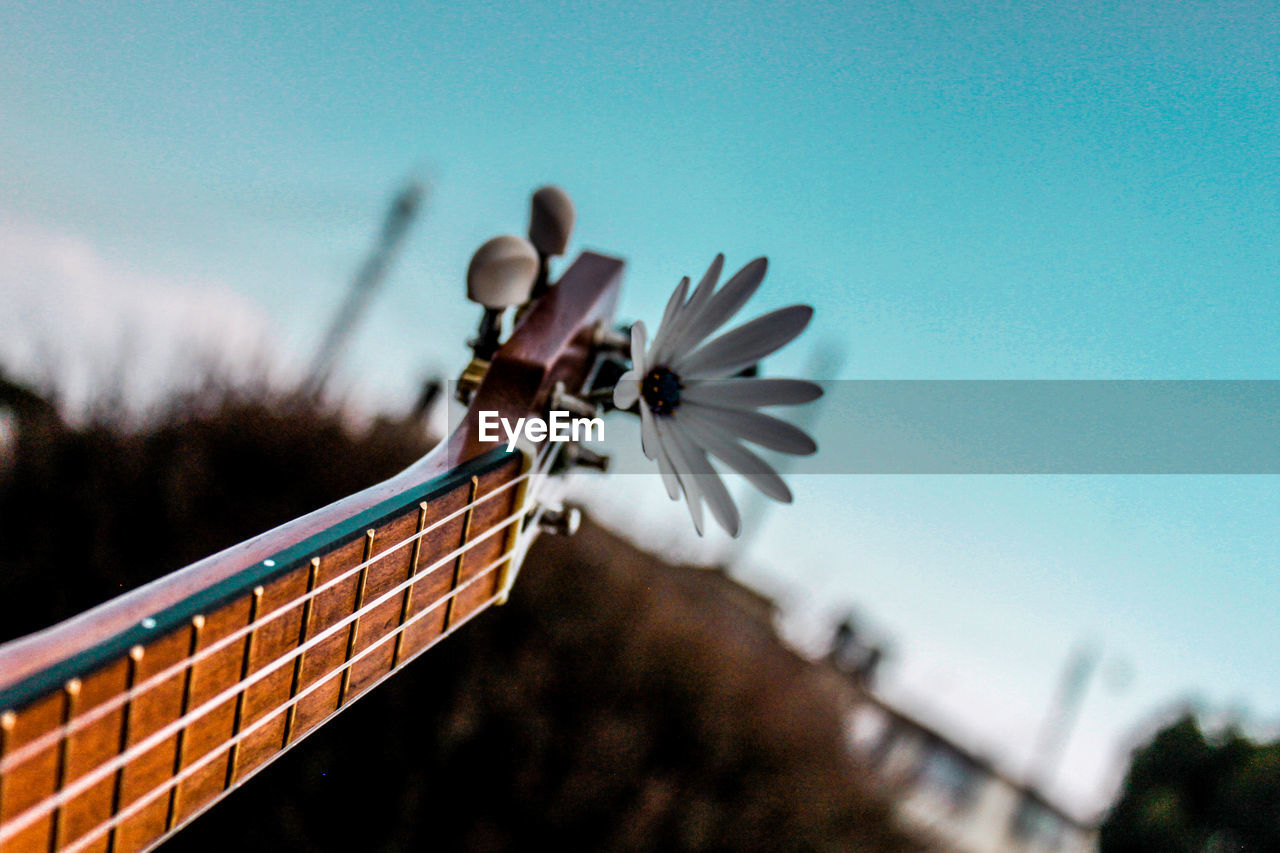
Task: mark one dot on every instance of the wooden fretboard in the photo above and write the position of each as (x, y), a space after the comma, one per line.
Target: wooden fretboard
(117, 747)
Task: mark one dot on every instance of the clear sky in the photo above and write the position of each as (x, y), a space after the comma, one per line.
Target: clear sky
(963, 190)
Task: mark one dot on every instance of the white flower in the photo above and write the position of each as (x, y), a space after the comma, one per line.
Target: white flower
(691, 403)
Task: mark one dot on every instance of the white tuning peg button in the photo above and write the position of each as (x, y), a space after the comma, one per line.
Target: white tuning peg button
(561, 522)
(551, 221)
(502, 272)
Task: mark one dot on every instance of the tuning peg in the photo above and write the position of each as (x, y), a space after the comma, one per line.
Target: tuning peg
(611, 341)
(502, 272)
(561, 522)
(551, 217)
(563, 401)
(580, 457)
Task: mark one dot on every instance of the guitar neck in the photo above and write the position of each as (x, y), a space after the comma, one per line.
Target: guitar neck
(120, 726)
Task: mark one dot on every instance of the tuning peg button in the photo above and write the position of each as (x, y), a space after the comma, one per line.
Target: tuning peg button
(561, 522)
(502, 272)
(551, 218)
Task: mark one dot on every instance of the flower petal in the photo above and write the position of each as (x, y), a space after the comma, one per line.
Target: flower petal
(648, 433)
(637, 346)
(669, 480)
(755, 427)
(683, 470)
(713, 488)
(712, 276)
(752, 468)
(727, 301)
(688, 316)
(702, 293)
(651, 444)
(627, 391)
(670, 318)
(745, 345)
(742, 393)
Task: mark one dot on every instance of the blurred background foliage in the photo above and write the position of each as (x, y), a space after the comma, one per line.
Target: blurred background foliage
(1192, 792)
(616, 703)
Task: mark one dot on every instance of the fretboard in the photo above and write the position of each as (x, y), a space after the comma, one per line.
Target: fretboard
(119, 745)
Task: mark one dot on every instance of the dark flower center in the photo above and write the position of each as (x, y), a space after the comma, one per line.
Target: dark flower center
(661, 390)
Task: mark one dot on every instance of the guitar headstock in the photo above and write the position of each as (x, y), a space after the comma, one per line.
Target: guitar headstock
(697, 392)
(562, 347)
(560, 342)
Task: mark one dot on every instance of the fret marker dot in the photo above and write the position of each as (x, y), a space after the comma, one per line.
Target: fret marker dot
(268, 563)
(148, 623)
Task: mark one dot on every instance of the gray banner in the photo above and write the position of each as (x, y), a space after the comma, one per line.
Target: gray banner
(1019, 427)
(1048, 427)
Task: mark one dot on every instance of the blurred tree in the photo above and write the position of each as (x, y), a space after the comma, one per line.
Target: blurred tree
(1186, 793)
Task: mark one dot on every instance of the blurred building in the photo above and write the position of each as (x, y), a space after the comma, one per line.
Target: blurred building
(960, 799)
(956, 798)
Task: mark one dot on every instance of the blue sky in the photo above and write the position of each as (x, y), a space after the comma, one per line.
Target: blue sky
(962, 190)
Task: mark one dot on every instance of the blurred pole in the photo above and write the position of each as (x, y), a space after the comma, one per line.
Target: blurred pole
(403, 210)
(1063, 711)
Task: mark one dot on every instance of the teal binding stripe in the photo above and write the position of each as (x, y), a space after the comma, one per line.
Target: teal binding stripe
(37, 685)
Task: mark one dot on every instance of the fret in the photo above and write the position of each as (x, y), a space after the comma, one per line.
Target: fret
(70, 696)
(303, 633)
(323, 660)
(409, 658)
(504, 576)
(485, 516)
(117, 785)
(211, 677)
(281, 614)
(432, 583)
(462, 540)
(180, 753)
(33, 779)
(414, 560)
(255, 605)
(392, 556)
(150, 710)
(84, 747)
(354, 630)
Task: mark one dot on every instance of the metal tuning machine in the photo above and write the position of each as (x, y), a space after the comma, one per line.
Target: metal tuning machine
(560, 522)
(501, 275)
(551, 218)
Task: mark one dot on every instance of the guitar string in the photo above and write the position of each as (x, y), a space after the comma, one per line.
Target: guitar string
(102, 771)
(87, 718)
(541, 462)
(27, 751)
(140, 804)
(217, 751)
(240, 780)
(49, 803)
